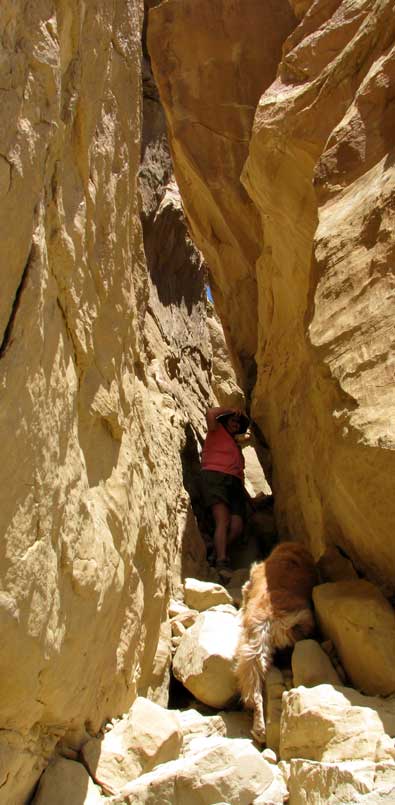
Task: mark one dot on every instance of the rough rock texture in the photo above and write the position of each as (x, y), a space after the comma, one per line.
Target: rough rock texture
(204, 660)
(320, 724)
(336, 783)
(105, 371)
(212, 61)
(146, 736)
(319, 302)
(360, 622)
(225, 770)
(320, 170)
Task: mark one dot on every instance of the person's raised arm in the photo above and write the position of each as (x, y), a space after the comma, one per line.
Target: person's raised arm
(212, 413)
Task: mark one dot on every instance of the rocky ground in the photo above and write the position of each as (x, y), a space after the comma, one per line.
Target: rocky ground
(327, 742)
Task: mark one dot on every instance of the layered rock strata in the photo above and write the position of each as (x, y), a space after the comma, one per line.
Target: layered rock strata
(105, 373)
(313, 278)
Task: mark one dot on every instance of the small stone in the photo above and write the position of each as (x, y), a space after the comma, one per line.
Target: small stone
(269, 755)
(311, 666)
(202, 595)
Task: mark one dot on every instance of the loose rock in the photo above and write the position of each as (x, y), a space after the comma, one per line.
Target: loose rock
(146, 736)
(312, 783)
(204, 659)
(65, 782)
(361, 624)
(202, 595)
(311, 665)
(227, 770)
(320, 724)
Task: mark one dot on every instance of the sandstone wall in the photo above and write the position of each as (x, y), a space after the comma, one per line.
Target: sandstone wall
(105, 362)
(314, 310)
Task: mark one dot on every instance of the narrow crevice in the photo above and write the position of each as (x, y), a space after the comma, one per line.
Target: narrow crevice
(7, 337)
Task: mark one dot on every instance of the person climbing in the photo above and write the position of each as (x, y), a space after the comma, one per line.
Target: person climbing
(222, 477)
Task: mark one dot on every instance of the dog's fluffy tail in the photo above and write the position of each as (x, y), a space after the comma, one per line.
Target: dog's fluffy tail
(254, 656)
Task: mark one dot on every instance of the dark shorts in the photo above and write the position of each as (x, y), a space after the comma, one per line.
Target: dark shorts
(219, 487)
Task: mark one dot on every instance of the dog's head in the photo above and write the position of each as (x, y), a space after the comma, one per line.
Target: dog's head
(292, 567)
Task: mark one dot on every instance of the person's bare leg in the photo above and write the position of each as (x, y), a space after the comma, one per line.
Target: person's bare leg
(221, 516)
(235, 528)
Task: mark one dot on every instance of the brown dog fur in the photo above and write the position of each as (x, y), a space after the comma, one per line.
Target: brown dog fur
(276, 612)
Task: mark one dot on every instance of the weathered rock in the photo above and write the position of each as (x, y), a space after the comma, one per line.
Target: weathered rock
(66, 782)
(361, 624)
(311, 665)
(146, 736)
(204, 659)
(194, 725)
(209, 139)
(98, 344)
(320, 724)
(320, 174)
(324, 396)
(226, 770)
(312, 783)
(201, 595)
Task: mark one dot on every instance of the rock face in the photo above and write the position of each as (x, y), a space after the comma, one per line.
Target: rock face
(217, 60)
(313, 277)
(98, 345)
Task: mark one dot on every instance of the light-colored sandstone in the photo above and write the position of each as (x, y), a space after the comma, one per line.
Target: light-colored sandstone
(320, 724)
(193, 724)
(311, 665)
(226, 770)
(66, 782)
(201, 595)
(209, 114)
(102, 329)
(360, 622)
(320, 172)
(312, 783)
(146, 736)
(204, 660)
(317, 358)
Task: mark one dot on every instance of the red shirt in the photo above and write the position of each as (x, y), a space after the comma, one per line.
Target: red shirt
(222, 453)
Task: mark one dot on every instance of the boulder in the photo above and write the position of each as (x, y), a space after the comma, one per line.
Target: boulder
(312, 783)
(225, 770)
(204, 659)
(320, 724)
(66, 782)
(146, 736)
(360, 622)
(311, 665)
(202, 595)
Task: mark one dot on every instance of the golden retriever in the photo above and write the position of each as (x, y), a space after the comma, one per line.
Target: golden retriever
(276, 612)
